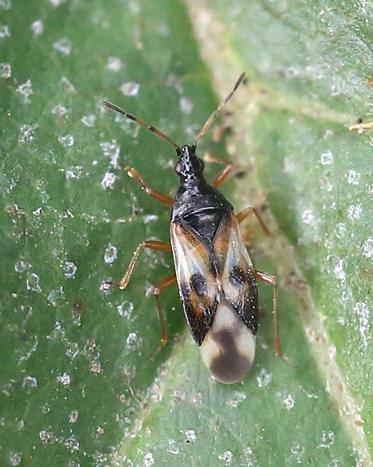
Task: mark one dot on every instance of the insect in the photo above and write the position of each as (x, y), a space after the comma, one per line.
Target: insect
(216, 278)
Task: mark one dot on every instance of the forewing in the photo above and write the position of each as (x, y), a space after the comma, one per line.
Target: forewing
(196, 279)
(236, 271)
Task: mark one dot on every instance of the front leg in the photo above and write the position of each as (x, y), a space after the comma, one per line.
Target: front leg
(162, 198)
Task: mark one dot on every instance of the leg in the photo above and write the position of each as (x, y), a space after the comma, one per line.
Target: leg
(246, 212)
(269, 279)
(224, 174)
(133, 173)
(167, 281)
(152, 244)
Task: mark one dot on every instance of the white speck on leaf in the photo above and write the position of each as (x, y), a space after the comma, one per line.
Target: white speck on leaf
(178, 395)
(63, 45)
(363, 313)
(308, 217)
(148, 459)
(125, 309)
(21, 266)
(4, 31)
(5, 70)
(339, 271)
(15, 458)
(26, 133)
(66, 140)
(111, 254)
(340, 230)
(297, 450)
(236, 399)
(190, 436)
(46, 437)
(114, 64)
(29, 382)
(150, 218)
(250, 457)
(354, 211)
(111, 149)
(186, 105)
(60, 110)
(353, 177)
(72, 444)
(37, 27)
(95, 367)
(173, 447)
(56, 3)
(287, 401)
(133, 341)
(130, 88)
(73, 416)
(327, 158)
(100, 431)
(89, 120)
(64, 379)
(74, 172)
(33, 282)
(226, 457)
(56, 296)
(108, 181)
(327, 439)
(69, 269)
(367, 248)
(264, 378)
(25, 90)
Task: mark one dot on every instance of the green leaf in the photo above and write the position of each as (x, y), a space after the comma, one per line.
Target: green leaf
(81, 379)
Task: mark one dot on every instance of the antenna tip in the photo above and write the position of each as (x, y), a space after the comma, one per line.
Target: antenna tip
(239, 81)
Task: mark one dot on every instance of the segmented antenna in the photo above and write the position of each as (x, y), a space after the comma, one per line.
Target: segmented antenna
(141, 122)
(217, 112)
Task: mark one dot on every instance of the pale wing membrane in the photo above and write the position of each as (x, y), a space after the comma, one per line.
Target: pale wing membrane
(197, 283)
(236, 271)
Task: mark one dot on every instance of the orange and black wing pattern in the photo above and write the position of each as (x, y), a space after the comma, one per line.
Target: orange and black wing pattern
(210, 272)
(196, 278)
(235, 271)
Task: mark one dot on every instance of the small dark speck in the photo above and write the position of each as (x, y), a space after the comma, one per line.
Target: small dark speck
(240, 174)
(198, 284)
(237, 275)
(359, 120)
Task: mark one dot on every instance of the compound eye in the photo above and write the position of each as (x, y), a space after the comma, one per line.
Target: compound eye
(178, 168)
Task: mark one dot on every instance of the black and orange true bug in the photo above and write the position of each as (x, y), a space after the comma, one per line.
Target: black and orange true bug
(215, 275)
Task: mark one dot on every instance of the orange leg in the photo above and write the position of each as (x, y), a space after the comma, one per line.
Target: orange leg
(225, 173)
(153, 245)
(272, 280)
(165, 199)
(247, 212)
(167, 281)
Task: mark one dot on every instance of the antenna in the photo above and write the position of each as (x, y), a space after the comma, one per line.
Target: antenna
(141, 122)
(217, 112)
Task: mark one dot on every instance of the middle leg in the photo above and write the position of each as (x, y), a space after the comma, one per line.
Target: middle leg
(167, 281)
(242, 215)
(153, 245)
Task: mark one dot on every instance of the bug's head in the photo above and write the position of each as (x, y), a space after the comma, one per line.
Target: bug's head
(190, 167)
